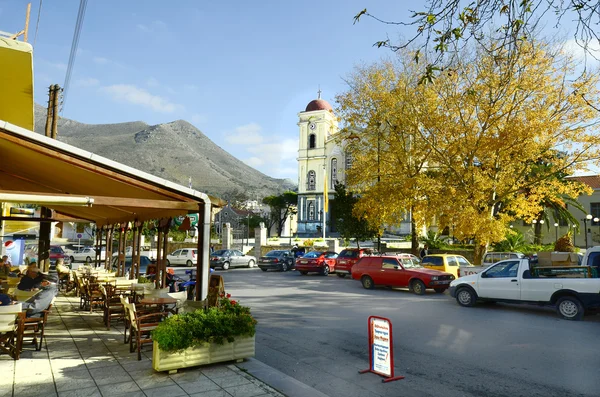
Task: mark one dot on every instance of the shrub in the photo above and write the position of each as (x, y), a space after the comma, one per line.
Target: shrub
(308, 243)
(143, 280)
(213, 325)
(514, 241)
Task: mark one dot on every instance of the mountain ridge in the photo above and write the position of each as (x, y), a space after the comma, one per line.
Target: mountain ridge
(175, 151)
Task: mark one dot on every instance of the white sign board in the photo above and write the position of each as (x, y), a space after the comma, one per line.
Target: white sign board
(382, 346)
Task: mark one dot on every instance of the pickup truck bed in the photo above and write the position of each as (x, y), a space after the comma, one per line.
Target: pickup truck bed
(511, 281)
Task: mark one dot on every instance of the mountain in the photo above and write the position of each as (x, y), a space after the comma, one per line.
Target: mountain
(175, 151)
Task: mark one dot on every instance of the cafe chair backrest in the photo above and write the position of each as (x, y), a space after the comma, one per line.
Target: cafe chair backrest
(8, 321)
(11, 308)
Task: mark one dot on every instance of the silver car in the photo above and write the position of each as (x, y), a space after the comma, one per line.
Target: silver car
(231, 258)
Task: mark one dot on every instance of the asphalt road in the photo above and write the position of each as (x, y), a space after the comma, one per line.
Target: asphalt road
(314, 329)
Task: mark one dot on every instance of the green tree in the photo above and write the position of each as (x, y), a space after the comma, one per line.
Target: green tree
(281, 206)
(348, 222)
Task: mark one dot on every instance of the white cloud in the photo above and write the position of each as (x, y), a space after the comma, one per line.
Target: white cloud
(87, 82)
(197, 118)
(157, 25)
(579, 53)
(142, 27)
(248, 134)
(254, 161)
(127, 93)
(100, 60)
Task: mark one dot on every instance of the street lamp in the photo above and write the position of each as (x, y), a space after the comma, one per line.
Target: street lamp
(556, 228)
(588, 217)
(596, 222)
(533, 222)
(248, 231)
(291, 219)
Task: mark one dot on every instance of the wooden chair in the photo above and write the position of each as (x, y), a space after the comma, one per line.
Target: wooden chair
(125, 301)
(33, 327)
(113, 308)
(11, 330)
(93, 295)
(141, 327)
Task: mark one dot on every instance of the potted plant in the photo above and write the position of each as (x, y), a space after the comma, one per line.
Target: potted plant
(205, 336)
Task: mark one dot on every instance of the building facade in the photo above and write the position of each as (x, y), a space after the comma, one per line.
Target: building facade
(321, 163)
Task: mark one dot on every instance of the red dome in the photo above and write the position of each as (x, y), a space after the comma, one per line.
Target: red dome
(318, 104)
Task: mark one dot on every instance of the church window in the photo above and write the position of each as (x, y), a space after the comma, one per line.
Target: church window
(348, 160)
(311, 210)
(312, 141)
(311, 180)
(333, 172)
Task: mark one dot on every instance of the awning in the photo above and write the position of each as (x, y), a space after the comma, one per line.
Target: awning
(32, 164)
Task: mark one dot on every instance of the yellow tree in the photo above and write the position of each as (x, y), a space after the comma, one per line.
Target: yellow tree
(493, 120)
(388, 155)
(467, 147)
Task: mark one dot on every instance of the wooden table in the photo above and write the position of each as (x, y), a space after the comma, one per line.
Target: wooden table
(161, 302)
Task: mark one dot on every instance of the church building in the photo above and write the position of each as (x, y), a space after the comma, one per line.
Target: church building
(321, 164)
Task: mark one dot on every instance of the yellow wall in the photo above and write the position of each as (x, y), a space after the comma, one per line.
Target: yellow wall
(16, 80)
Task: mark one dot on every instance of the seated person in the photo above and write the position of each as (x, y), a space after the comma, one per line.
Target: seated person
(4, 268)
(5, 300)
(33, 279)
(40, 302)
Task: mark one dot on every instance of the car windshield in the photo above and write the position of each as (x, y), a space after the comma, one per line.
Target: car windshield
(219, 253)
(313, 254)
(275, 253)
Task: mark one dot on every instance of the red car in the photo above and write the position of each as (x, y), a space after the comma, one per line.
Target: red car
(317, 262)
(388, 271)
(347, 258)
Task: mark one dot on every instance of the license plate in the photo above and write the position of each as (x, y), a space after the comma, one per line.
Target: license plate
(303, 262)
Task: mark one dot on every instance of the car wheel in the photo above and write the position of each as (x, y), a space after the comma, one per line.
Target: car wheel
(264, 269)
(189, 263)
(72, 259)
(466, 297)
(290, 263)
(168, 263)
(250, 263)
(418, 287)
(325, 271)
(570, 308)
(440, 290)
(304, 273)
(225, 266)
(88, 259)
(284, 267)
(341, 275)
(367, 282)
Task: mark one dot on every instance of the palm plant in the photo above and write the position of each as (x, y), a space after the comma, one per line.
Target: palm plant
(433, 239)
(514, 242)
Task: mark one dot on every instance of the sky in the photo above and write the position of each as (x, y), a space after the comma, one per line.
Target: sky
(239, 71)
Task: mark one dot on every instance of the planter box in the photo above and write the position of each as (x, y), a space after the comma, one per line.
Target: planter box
(201, 355)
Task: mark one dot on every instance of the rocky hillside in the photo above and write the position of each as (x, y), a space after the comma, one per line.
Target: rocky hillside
(174, 151)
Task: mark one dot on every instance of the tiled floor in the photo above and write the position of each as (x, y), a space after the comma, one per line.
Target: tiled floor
(81, 358)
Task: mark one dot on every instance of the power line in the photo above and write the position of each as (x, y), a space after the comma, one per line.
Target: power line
(74, 46)
(37, 24)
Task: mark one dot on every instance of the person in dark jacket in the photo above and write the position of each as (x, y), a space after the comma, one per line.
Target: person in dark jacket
(424, 251)
(33, 279)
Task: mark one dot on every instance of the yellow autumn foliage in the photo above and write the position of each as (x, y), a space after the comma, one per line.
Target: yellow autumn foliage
(482, 145)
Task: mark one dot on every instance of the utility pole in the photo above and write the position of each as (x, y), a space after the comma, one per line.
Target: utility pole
(51, 130)
(48, 130)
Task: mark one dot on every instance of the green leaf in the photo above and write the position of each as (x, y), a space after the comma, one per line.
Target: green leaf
(357, 16)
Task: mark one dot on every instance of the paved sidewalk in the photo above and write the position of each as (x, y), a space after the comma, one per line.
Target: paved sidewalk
(82, 358)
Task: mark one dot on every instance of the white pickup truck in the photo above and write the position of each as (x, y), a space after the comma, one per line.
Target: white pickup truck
(511, 281)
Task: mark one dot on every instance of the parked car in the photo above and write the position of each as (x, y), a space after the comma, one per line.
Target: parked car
(388, 271)
(449, 263)
(407, 259)
(317, 262)
(231, 258)
(56, 252)
(144, 262)
(71, 248)
(493, 257)
(145, 251)
(277, 260)
(347, 258)
(87, 255)
(184, 256)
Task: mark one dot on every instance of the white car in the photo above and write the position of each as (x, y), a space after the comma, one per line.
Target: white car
(184, 256)
(87, 255)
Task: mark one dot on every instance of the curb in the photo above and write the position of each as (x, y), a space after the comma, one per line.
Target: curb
(278, 380)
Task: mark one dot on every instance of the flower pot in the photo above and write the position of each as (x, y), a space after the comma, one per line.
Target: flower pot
(208, 353)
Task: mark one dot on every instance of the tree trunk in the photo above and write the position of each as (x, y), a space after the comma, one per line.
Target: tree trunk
(414, 239)
(479, 252)
(537, 238)
(357, 243)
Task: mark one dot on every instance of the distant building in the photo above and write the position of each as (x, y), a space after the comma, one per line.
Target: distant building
(238, 218)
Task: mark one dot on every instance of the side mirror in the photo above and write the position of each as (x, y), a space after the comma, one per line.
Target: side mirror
(396, 267)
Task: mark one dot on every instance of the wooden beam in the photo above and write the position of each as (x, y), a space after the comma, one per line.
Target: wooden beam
(41, 220)
(26, 31)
